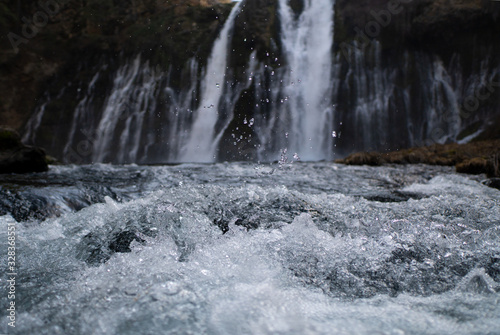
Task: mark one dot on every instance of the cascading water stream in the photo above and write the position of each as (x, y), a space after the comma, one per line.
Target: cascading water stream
(202, 143)
(307, 42)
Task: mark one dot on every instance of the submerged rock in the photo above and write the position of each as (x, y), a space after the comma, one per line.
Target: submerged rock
(15, 157)
(493, 182)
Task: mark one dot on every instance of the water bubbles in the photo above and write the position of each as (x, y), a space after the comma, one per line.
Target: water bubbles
(286, 135)
(296, 156)
(251, 122)
(334, 134)
(245, 121)
(217, 85)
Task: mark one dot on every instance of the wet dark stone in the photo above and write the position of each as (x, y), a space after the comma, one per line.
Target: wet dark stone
(25, 207)
(492, 182)
(16, 157)
(91, 250)
(493, 268)
(96, 249)
(395, 196)
(408, 255)
(121, 241)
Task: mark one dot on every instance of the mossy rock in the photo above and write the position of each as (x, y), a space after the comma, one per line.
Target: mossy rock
(363, 158)
(9, 139)
(476, 165)
(18, 158)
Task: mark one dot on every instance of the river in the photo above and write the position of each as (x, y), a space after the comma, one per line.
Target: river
(247, 248)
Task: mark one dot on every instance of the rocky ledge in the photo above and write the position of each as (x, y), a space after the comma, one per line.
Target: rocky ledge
(15, 157)
(473, 158)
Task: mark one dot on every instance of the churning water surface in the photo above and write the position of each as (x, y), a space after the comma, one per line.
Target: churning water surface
(302, 248)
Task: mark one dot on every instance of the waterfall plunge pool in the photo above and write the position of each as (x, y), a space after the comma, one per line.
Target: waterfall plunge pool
(241, 248)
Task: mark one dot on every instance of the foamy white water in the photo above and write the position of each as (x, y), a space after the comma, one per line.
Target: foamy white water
(256, 249)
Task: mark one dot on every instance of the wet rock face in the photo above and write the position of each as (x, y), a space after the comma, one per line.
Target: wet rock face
(167, 33)
(15, 157)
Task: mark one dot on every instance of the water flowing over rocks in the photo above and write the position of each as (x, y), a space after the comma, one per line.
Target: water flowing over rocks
(236, 248)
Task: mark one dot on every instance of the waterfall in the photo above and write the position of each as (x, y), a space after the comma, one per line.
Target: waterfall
(80, 115)
(306, 82)
(202, 143)
(305, 98)
(133, 96)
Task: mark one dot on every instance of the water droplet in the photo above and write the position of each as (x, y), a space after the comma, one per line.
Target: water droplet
(296, 156)
(251, 122)
(245, 121)
(218, 85)
(286, 135)
(334, 134)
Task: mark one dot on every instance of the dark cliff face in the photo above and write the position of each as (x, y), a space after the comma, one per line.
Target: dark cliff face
(72, 37)
(456, 39)
(396, 47)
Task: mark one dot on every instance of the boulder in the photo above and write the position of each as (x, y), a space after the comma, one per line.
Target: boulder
(15, 157)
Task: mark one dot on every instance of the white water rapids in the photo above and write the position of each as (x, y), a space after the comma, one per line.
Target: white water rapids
(302, 248)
